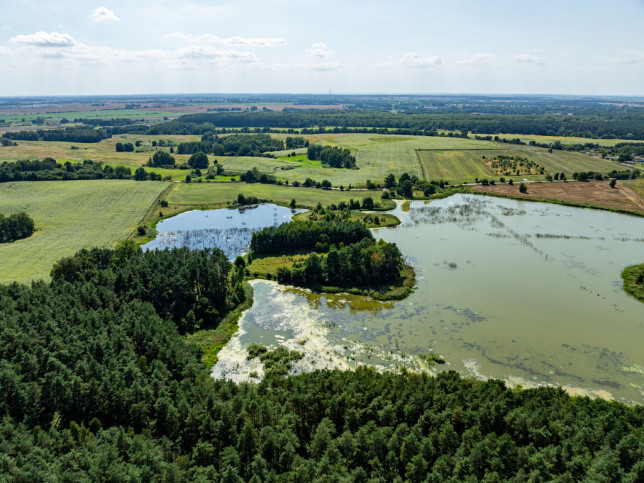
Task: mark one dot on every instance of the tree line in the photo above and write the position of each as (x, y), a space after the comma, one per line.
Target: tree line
(80, 134)
(96, 383)
(626, 124)
(15, 227)
(233, 145)
(50, 170)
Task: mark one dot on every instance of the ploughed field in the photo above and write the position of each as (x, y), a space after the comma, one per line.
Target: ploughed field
(598, 193)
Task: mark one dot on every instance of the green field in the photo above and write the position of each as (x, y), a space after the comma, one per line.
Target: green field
(219, 194)
(70, 215)
(242, 164)
(465, 165)
(451, 159)
(98, 114)
(303, 160)
(564, 140)
(454, 165)
(105, 151)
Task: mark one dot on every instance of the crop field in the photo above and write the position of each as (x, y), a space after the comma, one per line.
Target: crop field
(637, 185)
(564, 140)
(70, 215)
(465, 165)
(20, 118)
(455, 165)
(219, 194)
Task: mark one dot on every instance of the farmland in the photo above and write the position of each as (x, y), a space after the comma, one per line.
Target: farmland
(563, 139)
(242, 164)
(198, 195)
(465, 165)
(438, 157)
(70, 215)
(454, 165)
(595, 193)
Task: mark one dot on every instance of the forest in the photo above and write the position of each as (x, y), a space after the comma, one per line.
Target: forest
(305, 235)
(15, 227)
(626, 124)
(96, 383)
(365, 263)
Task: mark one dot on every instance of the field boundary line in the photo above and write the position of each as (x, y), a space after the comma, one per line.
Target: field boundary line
(161, 196)
(423, 169)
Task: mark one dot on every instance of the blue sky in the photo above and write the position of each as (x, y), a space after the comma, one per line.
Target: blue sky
(463, 46)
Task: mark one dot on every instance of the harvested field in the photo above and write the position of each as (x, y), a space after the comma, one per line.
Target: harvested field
(596, 193)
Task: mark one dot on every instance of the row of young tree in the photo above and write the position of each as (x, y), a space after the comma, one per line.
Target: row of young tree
(96, 383)
(304, 235)
(331, 156)
(15, 227)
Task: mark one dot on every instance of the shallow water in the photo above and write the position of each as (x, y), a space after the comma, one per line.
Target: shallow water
(526, 292)
(229, 229)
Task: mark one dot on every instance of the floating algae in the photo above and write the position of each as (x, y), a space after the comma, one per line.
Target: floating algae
(510, 304)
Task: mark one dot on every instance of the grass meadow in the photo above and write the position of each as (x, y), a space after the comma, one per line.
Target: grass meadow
(70, 215)
(199, 195)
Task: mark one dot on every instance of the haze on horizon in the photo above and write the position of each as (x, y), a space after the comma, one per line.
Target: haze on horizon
(116, 47)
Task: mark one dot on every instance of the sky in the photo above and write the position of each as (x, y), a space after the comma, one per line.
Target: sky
(85, 47)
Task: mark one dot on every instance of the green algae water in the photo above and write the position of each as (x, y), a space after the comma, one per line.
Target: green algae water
(525, 292)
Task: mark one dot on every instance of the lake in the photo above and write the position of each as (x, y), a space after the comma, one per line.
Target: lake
(525, 292)
(229, 229)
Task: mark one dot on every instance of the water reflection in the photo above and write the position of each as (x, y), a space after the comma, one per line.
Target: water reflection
(527, 292)
(229, 229)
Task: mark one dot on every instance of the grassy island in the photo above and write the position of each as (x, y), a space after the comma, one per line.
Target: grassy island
(633, 277)
(338, 255)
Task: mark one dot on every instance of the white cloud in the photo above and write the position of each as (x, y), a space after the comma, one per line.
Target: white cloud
(326, 66)
(4, 50)
(527, 59)
(632, 57)
(236, 40)
(102, 14)
(52, 55)
(476, 59)
(414, 60)
(44, 39)
(320, 50)
(205, 52)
